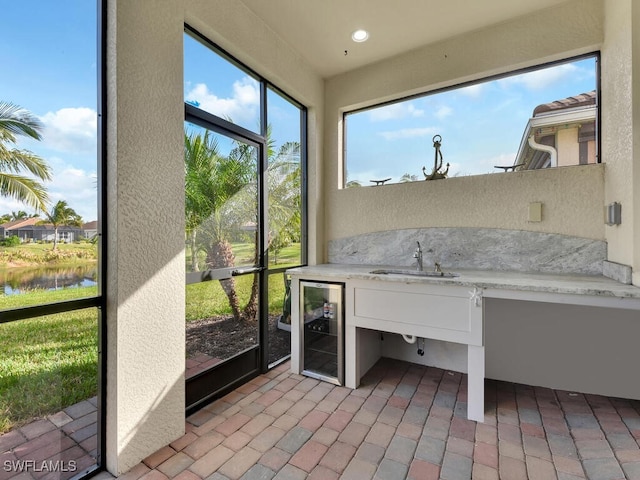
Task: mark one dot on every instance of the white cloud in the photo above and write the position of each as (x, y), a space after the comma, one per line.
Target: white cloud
(241, 108)
(540, 79)
(443, 112)
(8, 205)
(71, 130)
(394, 112)
(78, 188)
(407, 133)
(473, 91)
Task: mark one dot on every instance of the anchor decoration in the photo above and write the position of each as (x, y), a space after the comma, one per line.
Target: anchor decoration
(436, 174)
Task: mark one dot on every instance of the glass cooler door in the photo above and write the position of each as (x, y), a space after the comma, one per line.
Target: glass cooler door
(322, 334)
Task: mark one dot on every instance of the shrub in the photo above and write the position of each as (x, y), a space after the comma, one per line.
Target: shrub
(12, 241)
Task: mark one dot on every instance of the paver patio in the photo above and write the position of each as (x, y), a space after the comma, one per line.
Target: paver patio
(405, 421)
(55, 447)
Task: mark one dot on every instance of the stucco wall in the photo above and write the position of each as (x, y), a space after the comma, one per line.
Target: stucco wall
(145, 234)
(617, 149)
(145, 265)
(572, 197)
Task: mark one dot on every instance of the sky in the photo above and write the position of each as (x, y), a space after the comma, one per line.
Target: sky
(481, 125)
(217, 86)
(49, 62)
(49, 67)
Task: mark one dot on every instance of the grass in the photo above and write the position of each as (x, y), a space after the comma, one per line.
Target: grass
(48, 363)
(244, 253)
(207, 299)
(43, 253)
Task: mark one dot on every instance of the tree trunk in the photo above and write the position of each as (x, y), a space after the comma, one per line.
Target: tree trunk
(55, 238)
(250, 312)
(194, 252)
(220, 255)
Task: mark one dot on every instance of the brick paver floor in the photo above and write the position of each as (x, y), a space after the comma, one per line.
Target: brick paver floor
(404, 421)
(55, 447)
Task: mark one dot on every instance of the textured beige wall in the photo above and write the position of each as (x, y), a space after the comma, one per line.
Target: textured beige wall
(145, 265)
(490, 201)
(617, 149)
(568, 146)
(572, 197)
(146, 275)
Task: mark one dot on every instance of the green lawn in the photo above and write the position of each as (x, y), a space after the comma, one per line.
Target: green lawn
(207, 299)
(244, 253)
(49, 363)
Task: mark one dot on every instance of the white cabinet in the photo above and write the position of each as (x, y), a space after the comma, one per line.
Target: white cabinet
(449, 313)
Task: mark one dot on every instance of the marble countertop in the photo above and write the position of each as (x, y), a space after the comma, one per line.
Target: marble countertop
(593, 285)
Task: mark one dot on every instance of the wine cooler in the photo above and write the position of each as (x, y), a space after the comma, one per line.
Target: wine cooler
(322, 331)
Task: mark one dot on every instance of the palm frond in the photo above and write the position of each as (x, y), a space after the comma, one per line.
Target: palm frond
(15, 120)
(14, 160)
(24, 189)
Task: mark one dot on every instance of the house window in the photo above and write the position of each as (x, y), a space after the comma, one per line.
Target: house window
(538, 118)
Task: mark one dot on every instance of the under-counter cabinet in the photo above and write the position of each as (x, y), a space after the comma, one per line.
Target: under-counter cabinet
(439, 312)
(321, 329)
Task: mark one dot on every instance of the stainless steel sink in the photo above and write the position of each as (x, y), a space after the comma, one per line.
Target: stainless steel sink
(415, 273)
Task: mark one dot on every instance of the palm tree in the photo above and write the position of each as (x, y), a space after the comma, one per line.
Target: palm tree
(21, 215)
(407, 177)
(62, 214)
(211, 182)
(15, 121)
(220, 195)
(200, 157)
(284, 176)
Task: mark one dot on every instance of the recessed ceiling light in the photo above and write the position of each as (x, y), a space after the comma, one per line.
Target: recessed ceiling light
(360, 36)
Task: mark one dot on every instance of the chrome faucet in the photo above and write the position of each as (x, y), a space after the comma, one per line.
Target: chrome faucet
(418, 255)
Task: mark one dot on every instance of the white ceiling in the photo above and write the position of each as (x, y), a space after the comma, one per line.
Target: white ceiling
(320, 30)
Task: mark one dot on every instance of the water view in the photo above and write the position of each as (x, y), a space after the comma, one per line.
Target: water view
(24, 280)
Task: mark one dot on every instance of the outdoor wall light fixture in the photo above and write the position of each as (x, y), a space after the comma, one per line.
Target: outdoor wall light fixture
(614, 214)
(360, 36)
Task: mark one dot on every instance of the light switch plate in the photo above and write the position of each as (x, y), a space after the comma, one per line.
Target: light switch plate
(535, 212)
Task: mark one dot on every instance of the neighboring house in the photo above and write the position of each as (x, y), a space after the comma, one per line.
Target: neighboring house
(29, 230)
(15, 227)
(560, 133)
(90, 229)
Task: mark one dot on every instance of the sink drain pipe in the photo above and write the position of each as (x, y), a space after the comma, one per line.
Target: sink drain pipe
(409, 338)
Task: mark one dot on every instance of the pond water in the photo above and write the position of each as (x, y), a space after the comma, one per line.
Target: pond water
(23, 280)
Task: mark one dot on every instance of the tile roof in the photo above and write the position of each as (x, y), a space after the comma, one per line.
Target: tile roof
(581, 100)
(23, 222)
